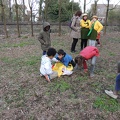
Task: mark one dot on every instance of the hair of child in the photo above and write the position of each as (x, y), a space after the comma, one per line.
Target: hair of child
(61, 52)
(51, 52)
(79, 60)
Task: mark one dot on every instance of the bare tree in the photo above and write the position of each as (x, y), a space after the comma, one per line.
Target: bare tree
(95, 7)
(23, 10)
(60, 2)
(84, 6)
(10, 12)
(4, 17)
(16, 9)
(72, 7)
(46, 8)
(31, 5)
(107, 12)
(106, 17)
(40, 8)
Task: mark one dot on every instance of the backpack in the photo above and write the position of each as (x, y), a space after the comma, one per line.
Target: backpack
(69, 24)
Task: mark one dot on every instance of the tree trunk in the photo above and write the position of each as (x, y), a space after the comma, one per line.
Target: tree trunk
(18, 29)
(1, 4)
(95, 9)
(10, 12)
(23, 10)
(59, 17)
(46, 9)
(40, 8)
(72, 7)
(4, 20)
(106, 18)
(84, 6)
(31, 22)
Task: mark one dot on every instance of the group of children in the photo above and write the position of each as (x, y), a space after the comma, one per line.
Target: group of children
(50, 54)
(46, 62)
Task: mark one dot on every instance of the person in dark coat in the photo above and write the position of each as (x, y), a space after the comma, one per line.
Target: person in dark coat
(44, 37)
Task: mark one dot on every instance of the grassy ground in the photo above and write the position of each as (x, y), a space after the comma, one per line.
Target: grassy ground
(24, 95)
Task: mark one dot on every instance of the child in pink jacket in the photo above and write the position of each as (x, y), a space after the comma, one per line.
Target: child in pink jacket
(89, 52)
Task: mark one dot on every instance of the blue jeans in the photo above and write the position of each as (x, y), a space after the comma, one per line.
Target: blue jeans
(117, 85)
(93, 61)
(92, 42)
(44, 52)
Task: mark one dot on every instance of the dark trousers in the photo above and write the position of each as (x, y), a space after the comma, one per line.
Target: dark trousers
(44, 52)
(73, 63)
(75, 40)
(83, 43)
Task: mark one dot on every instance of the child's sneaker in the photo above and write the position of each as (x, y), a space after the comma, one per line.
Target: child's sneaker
(98, 45)
(91, 75)
(111, 94)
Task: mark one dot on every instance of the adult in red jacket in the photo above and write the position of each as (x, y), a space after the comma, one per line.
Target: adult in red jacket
(89, 52)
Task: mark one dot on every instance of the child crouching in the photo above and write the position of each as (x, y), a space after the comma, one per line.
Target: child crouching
(65, 58)
(87, 53)
(46, 65)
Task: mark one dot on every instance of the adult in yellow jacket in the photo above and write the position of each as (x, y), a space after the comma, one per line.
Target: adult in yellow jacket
(85, 25)
(95, 29)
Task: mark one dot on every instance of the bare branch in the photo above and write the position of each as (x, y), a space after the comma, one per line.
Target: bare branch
(89, 2)
(115, 6)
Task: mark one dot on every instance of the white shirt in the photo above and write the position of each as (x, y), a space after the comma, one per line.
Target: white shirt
(46, 65)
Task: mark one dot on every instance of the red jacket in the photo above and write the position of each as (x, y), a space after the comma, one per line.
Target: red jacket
(88, 52)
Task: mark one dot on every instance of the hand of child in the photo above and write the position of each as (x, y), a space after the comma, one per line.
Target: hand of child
(85, 70)
(57, 61)
(92, 21)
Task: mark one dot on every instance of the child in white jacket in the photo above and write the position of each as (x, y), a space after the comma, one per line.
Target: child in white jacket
(46, 65)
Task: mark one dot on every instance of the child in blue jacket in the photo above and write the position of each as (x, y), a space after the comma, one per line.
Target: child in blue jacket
(65, 58)
(114, 94)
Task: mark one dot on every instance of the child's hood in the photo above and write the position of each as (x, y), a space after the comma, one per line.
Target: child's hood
(45, 24)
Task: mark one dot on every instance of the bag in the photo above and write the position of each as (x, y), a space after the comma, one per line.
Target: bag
(66, 72)
(70, 23)
(61, 69)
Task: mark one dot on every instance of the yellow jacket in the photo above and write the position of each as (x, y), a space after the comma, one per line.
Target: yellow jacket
(98, 26)
(85, 24)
